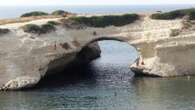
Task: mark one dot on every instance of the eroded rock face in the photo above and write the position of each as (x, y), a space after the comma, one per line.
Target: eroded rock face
(88, 53)
(26, 58)
(161, 53)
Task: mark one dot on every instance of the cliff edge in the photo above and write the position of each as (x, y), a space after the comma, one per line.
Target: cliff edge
(166, 47)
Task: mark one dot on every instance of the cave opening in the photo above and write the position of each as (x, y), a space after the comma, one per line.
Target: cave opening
(107, 58)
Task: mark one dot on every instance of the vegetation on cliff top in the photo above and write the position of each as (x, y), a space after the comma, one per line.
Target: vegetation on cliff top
(4, 31)
(70, 24)
(58, 12)
(40, 13)
(34, 13)
(46, 28)
(33, 28)
(53, 23)
(103, 21)
(175, 14)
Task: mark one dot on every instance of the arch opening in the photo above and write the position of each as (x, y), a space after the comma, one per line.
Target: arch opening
(82, 69)
(92, 49)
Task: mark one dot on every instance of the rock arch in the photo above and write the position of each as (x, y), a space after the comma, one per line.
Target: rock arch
(91, 49)
(117, 38)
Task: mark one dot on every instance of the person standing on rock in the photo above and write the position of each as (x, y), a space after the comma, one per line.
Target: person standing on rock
(55, 46)
(139, 60)
(94, 33)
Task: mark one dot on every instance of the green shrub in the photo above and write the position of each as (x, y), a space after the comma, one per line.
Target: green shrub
(58, 12)
(70, 24)
(192, 15)
(53, 23)
(103, 21)
(34, 13)
(46, 28)
(35, 29)
(32, 28)
(4, 31)
(175, 14)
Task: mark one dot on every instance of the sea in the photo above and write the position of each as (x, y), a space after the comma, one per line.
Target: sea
(16, 11)
(107, 83)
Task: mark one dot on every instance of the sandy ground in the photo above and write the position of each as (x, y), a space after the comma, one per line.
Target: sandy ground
(19, 24)
(25, 19)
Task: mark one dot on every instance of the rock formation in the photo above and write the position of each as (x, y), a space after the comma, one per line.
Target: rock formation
(166, 48)
(25, 58)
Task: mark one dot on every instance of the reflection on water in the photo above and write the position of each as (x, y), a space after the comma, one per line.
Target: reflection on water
(106, 84)
(165, 94)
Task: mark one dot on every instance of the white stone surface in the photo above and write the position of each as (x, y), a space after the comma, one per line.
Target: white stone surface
(164, 55)
(25, 58)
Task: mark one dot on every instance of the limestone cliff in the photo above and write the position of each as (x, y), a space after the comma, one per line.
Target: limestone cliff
(166, 48)
(25, 58)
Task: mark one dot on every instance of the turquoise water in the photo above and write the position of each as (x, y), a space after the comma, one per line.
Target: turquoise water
(16, 11)
(106, 84)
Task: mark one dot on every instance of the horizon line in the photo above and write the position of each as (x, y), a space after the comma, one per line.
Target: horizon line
(103, 4)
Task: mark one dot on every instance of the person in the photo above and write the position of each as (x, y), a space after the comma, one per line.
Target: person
(139, 60)
(55, 46)
(94, 33)
(142, 61)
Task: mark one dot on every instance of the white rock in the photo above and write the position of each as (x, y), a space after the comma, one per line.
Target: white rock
(25, 58)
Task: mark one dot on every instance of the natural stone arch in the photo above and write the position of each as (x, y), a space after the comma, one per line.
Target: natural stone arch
(91, 49)
(120, 39)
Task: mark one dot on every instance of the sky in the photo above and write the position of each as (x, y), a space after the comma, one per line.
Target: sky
(90, 2)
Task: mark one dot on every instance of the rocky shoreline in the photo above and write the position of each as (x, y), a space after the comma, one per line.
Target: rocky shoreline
(55, 66)
(166, 47)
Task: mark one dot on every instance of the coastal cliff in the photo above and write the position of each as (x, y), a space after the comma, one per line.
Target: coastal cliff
(27, 57)
(166, 48)
(36, 48)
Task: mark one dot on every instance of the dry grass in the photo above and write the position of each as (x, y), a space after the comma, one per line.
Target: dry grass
(175, 32)
(26, 19)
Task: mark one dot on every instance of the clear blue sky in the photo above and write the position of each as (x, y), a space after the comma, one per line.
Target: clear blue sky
(91, 2)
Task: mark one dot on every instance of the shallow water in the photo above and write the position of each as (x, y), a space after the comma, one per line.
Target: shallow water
(106, 84)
